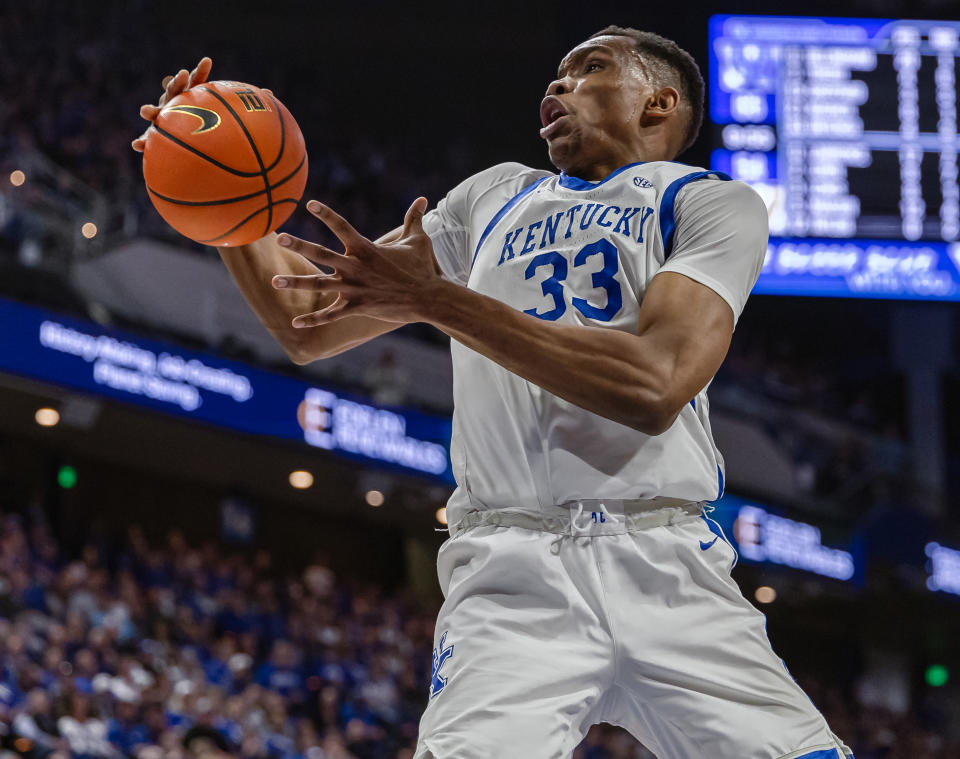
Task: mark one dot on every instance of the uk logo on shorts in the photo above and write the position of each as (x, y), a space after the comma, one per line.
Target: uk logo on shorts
(440, 655)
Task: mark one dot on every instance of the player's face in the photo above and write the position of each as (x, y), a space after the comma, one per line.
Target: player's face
(592, 113)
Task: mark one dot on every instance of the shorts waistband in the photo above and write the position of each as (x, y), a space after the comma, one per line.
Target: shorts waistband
(589, 517)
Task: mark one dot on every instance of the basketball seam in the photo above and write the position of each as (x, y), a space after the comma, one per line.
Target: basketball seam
(228, 200)
(204, 156)
(283, 135)
(237, 226)
(256, 152)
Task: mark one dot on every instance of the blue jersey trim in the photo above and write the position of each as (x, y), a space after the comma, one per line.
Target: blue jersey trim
(720, 480)
(717, 530)
(575, 183)
(827, 753)
(714, 528)
(693, 403)
(503, 211)
(667, 222)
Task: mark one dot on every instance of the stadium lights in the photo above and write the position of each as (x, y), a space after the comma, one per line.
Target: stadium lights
(374, 498)
(89, 230)
(936, 675)
(765, 594)
(300, 479)
(17, 178)
(47, 417)
(442, 515)
(67, 477)
(943, 568)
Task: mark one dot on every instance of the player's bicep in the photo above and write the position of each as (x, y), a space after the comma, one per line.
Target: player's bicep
(688, 327)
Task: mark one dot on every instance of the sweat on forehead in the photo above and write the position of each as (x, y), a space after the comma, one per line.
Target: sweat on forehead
(614, 45)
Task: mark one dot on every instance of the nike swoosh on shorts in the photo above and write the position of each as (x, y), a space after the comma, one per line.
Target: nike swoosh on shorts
(704, 545)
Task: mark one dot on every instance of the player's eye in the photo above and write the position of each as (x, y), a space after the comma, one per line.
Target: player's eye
(592, 66)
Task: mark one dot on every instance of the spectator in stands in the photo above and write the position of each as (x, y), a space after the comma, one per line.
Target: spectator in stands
(80, 724)
(125, 730)
(386, 380)
(308, 668)
(37, 724)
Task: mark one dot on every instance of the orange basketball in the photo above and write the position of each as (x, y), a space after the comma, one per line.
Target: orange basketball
(225, 163)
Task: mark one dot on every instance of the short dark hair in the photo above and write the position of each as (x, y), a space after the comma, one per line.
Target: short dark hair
(677, 68)
(204, 732)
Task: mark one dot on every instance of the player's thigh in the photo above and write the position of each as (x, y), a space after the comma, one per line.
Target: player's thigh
(521, 657)
(697, 666)
(678, 738)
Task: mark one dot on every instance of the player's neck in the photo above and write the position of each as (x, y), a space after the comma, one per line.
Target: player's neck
(596, 172)
(603, 166)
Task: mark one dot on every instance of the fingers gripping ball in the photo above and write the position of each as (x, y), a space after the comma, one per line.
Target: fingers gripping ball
(225, 163)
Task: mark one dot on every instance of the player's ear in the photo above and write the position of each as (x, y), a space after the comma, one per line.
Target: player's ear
(660, 106)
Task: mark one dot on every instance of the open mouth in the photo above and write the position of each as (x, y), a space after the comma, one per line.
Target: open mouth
(551, 112)
(551, 109)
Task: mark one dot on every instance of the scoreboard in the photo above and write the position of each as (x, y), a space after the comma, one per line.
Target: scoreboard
(848, 129)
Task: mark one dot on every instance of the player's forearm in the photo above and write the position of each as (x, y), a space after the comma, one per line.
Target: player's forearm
(252, 268)
(602, 370)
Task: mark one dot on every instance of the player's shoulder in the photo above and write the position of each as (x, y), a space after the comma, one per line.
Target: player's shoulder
(513, 170)
(684, 183)
(732, 194)
(672, 175)
(506, 179)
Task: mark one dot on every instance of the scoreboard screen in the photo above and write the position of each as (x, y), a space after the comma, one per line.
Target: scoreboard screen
(848, 129)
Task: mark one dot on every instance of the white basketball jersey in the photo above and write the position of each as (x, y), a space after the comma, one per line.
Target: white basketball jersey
(576, 252)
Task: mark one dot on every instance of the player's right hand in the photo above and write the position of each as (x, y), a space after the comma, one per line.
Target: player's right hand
(172, 86)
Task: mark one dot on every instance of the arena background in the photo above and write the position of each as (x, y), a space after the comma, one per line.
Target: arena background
(159, 574)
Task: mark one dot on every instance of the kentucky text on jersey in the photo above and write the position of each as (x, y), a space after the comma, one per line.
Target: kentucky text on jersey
(628, 222)
(584, 254)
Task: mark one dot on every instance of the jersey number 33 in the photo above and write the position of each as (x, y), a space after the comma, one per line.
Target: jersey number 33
(604, 280)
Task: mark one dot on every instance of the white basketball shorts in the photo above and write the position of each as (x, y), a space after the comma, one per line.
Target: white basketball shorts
(542, 635)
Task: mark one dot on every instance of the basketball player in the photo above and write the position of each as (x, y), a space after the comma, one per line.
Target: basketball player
(589, 311)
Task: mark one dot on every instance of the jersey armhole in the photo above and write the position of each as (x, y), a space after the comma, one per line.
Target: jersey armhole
(667, 219)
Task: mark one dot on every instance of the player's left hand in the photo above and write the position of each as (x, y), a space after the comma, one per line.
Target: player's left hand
(387, 281)
(172, 86)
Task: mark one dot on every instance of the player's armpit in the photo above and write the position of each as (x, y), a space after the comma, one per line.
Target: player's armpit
(687, 327)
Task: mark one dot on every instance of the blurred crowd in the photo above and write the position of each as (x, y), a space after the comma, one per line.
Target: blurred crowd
(845, 433)
(79, 110)
(133, 651)
(174, 651)
(770, 364)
